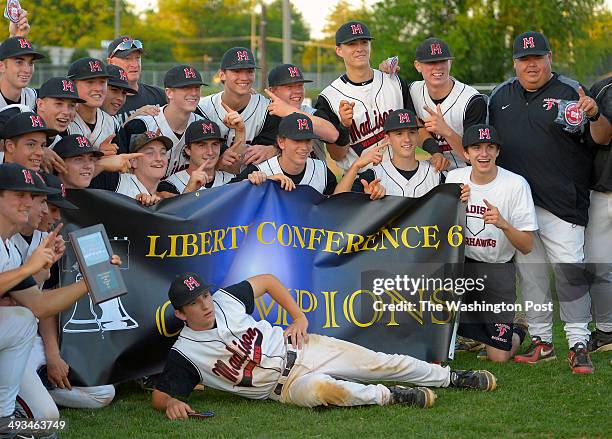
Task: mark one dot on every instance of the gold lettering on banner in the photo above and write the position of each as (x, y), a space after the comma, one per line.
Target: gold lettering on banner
(330, 309)
(349, 309)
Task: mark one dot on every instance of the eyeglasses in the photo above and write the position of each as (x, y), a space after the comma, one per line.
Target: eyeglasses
(125, 45)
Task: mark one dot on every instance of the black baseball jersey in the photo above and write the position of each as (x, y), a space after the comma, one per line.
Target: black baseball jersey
(602, 165)
(555, 162)
(147, 95)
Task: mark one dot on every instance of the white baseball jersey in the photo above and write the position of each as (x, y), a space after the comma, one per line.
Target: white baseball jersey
(373, 103)
(315, 175)
(241, 355)
(130, 186)
(180, 179)
(453, 108)
(510, 193)
(254, 115)
(424, 180)
(26, 249)
(105, 126)
(176, 159)
(27, 98)
(9, 256)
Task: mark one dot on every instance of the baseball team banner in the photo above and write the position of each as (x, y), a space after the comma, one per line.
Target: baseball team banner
(333, 254)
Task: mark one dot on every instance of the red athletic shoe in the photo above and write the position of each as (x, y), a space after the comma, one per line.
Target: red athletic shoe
(538, 351)
(579, 359)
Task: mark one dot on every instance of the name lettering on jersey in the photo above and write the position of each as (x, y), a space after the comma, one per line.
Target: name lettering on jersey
(436, 49)
(293, 72)
(36, 121)
(239, 371)
(27, 176)
(478, 210)
(95, 66)
(442, 143)
(242, 55)
(356, 29)
(528, 43)
(477, 242)
(368, 133)
(303, 124)
(24, 44)
(83, 142)
(484, 134)
(67, 85)
(549, 102)
(189, 72)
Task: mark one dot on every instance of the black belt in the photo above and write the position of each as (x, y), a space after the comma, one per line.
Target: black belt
(291, 357)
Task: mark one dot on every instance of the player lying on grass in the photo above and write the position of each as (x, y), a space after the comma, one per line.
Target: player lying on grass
(403, 175)
(222, 346)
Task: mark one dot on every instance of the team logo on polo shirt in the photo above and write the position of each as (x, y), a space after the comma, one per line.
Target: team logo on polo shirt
(573, 115)
(549, 102)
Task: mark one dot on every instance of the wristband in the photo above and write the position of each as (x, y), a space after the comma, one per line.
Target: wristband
(596, 117)
(431, 146)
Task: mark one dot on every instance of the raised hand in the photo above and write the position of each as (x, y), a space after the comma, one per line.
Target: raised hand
(374, 189)
(436, 123)
(51, 161)
(108, 147)
(492, 216)
(198, 178)
(373, 155)
(346, 113)
(117, 163)
(233, 120)
(587, 103)
(278, 107)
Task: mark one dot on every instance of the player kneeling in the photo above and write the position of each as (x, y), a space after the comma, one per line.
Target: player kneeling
(500, 219)
(222, 346)
(403, 175)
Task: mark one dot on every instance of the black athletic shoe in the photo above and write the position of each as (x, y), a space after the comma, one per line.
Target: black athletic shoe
(473, 379)
(416, 396)
(600, 341)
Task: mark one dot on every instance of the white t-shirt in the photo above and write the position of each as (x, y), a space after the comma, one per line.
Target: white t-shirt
(510, 193)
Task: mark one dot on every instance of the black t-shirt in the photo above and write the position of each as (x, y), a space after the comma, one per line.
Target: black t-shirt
(329, 187)
(147, 95)
(369, 176)
(556, 163)
(180, 376)
(602, 164)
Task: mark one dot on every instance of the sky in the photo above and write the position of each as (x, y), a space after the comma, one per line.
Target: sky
(313, 11)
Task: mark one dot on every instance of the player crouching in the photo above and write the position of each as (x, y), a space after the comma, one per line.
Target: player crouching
(500, 220)
(222, 346)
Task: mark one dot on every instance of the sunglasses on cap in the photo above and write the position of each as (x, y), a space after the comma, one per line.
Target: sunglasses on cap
(127, 44)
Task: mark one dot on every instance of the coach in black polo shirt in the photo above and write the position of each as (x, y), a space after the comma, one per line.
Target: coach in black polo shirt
(542, 120)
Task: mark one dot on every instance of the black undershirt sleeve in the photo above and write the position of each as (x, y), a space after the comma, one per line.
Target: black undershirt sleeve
(244, 174)
(406, 98)
(324, 111)
(368, 176)
(269, 131)
(330, 187)
(26, 283)
(179, 376)
(165, 186)
(243, 291)
(475, 112)
(108, 181)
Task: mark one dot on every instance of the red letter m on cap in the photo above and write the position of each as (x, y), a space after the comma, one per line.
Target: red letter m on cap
(436, 49)
(404, 117)
(528, 43)
(67, 85)
(27, 176)
(356, 29)
(83, 143)
(302, 124)
(294, 72)
(95, 66)
(484, 134)
(189, 72)
(191, 283)
(207, 128)
(242, 55)
(23, 43)
(36, 121)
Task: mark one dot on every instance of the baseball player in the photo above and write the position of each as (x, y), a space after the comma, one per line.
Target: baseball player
(361, 99)
(403, 175)
(25, 139)
(16, 69)
(126, 53)
(293, 166)
(237, 73)
(286, 91)
(501, 219)
(446, 105)
(118, 91)
(598, 233)
(203, 141)
(222, 346)
(91, 79)
(182, 84)
(539, 116)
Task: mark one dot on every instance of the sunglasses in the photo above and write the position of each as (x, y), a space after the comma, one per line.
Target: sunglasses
(125, 45)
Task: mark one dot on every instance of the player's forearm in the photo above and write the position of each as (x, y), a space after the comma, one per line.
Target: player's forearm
(281, 295)
(522, 241)
(346, 183)
(455, 142)
(47, 328)
(159, 400)
(53, 302)
(337, 152)
(42, 276)
(11, 278)
(324, 129)
(601, 130)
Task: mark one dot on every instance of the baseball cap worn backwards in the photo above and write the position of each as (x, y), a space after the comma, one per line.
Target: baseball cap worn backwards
(432, 50)
(480, 133)
(182, 76)
(296, 126)
(286, 74)
(14, 177)
(400, 119)
(87, 68)
(352, 31)
(18, 46)
(530, 43)
(238, 58)
(186, 288)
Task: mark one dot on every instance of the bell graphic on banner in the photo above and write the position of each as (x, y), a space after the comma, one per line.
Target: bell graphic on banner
(107, 316)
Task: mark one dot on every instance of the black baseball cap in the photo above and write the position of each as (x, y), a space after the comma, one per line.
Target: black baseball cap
(139, 141)
(530, 43)
(296, 126)
(8, 112)
(182, 76)
(118, 78)
(41, 184)
(202, 129)
(14, 177)
(87, 68)
(238, 58)
(286, 74)
(122, 46)
(74, 145)
(351, 31)
(400, 119)
(24, 123)
(186, 288)
(17, 46)
(58, 199)
(59, 88)
(480, 133)
(432, 50)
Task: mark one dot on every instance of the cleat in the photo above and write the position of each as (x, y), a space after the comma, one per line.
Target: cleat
(464, 344)
(600, 341)
(473, 379)
(538, 351)
(579, 359)
(482, 355)
(422, 397)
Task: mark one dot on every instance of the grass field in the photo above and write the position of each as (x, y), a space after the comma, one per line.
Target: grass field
(531, 401)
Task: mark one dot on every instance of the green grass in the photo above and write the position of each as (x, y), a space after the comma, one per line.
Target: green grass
(530, 401)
